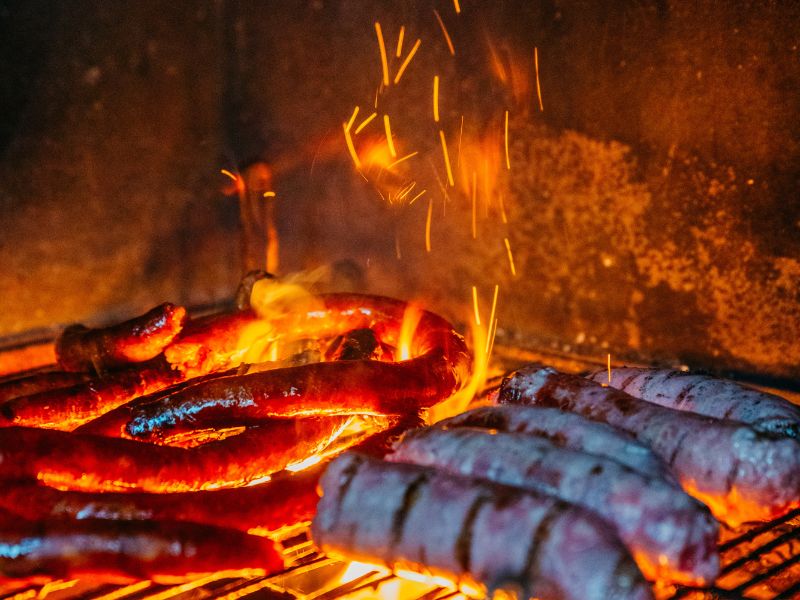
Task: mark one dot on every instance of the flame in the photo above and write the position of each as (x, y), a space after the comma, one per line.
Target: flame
(458, 402)
(358, 569)
(391, 590)
(273, 300)
(408, 327)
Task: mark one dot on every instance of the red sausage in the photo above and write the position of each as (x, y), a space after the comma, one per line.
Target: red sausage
(68, 407)
(440, 366)
(129, 550)
(97, 463)
(80, 348)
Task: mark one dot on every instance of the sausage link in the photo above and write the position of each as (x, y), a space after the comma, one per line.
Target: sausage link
(740, 474)
(685, 551)
(97, 463)
(568, 430)
(80, 348)
(405, 515)
(69, 407)
(440, 366)
(129, 550)
(705, 395)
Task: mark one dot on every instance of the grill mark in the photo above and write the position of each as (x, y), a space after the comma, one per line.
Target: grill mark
(625, 403)
(648, 378)
(409, 499)
(625, 575)
(532, 568)
(730, 479)
(349, 472)
(628, 381)
(545, 396)
(681, 398)
(464, 541)
(674, 454)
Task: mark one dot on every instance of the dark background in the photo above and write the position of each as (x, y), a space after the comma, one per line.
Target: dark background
(653, 205)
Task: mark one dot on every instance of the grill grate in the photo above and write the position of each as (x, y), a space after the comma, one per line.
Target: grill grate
(759, 563)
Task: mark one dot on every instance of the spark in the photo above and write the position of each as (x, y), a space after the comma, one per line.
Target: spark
(445, 33)
(400, 41)
(238, 181)
(508, 162)
(428, 226)
(457, 5)
(397, 247)
(502, 209)
(460, 135)
(510, 257)
(389, 139)
(405, 191)
(492, 319)
(474, 207)
(365, 122)
(351, 147)
(609, 368)
(492, 334)
(446, 159)
(352, 118)
(384, 61)
(538, 86)
(403, 66)
(436, 98)
(486, 190)
(399, 160)
(414, 199)
(475, 306)
(269, 194)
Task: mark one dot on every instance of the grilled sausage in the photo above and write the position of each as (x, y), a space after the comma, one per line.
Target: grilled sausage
(281, 502)
(80, 348)
(709, 396)
(39, 382)
(213, 342)
(113, 422)
(68, 407)
(440, 365)
(96, 463)
(264, 507)
(568, 430)
(406, 515)
(740, 474)
(682, 548)
(129, 550)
